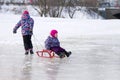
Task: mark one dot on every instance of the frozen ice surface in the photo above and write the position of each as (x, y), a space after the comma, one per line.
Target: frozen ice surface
(93, 58)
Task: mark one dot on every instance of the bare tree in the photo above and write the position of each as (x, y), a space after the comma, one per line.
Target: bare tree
(42, 7)
(55, 9)
(91, 6)
(72, 7)
(90, 3)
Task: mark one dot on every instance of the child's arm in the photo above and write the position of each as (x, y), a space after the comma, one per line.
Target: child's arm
(17, 26)
(47, 44)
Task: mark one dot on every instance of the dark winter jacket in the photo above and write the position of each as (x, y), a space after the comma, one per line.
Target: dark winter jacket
(26, 24)
(51, 42)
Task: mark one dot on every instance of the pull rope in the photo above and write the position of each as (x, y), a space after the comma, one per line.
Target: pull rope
(36, 40)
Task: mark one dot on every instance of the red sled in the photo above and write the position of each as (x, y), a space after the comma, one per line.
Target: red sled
(46, 54)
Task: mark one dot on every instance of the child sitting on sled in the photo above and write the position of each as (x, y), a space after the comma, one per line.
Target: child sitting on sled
(52, 43)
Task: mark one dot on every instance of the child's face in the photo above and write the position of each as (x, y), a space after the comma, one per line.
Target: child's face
(56, 35)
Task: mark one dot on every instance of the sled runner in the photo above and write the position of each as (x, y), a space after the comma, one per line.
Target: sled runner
(46, 54)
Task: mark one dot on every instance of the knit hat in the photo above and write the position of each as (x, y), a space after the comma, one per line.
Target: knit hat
(25, 12)
(53, 32)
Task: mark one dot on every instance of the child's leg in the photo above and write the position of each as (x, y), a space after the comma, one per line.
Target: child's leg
(58, 51)
(63, 51)
(26, 45)
(30, 45)
(60, 54)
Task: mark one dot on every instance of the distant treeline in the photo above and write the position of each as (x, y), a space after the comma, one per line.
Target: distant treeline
(15, 3)
(54, 8)
(90, 3)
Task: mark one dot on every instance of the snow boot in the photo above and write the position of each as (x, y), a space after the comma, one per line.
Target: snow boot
(31, 52)
(61, 54)
(68, 53)
(26, 53)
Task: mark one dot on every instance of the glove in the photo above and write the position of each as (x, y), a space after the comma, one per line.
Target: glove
(14, 31)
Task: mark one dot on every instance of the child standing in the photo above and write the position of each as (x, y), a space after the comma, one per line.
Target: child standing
(26, 24)
(52, 43)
